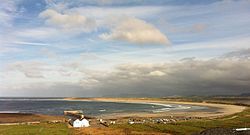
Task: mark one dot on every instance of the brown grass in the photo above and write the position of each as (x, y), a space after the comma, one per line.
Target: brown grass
(112, 131)
(19, 117)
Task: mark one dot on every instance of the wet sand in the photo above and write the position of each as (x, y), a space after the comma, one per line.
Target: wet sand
(221, 109)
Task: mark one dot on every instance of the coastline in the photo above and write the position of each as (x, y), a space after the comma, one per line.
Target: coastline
(214, 110)
(170, 122)
(221, 109)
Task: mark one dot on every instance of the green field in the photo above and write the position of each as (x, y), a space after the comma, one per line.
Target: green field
(36, 129)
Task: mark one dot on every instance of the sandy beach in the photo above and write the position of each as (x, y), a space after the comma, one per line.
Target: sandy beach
(221, 109)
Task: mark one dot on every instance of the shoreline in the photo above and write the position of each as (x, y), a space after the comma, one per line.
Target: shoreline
(214, 110)
(221, 109)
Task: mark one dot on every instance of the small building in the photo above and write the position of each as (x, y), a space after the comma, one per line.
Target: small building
(80, 123)
(77, 119)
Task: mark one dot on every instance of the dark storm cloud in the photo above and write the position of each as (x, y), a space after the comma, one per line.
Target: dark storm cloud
(189, 77)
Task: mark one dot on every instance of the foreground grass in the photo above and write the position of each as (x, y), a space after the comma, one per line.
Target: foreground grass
(37, 129)
(238, 120)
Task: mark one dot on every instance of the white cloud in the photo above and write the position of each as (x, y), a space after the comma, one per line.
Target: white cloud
(48, 53)
(30, 69)
(156, 73)
(69, 22)
(29, 43)
(42, 33)
(8, 50)
(136, 31)
(103, 12)
(7, 12)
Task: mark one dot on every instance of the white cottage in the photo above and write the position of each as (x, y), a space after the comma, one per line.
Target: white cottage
(81, 123)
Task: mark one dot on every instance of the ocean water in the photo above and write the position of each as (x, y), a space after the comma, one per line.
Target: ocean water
(93, 108)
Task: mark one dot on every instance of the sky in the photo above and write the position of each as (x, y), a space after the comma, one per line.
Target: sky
(132, 48)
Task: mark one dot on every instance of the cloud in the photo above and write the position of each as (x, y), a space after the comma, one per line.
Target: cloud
(9, 50)
(127, 2)
(156, 73)
(104, 12)
(47, 89)
(198, 27)
(7, 12)
(31, 69)
(29, 43)
(69, 22)
(136, 31)
(99, 2)
(196, 77)
(66, 62)
(220, 76)
(243, 53)
(37, 33)
(129, 29)
(48, 53)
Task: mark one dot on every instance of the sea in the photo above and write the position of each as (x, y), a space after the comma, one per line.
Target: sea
(56, 106)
